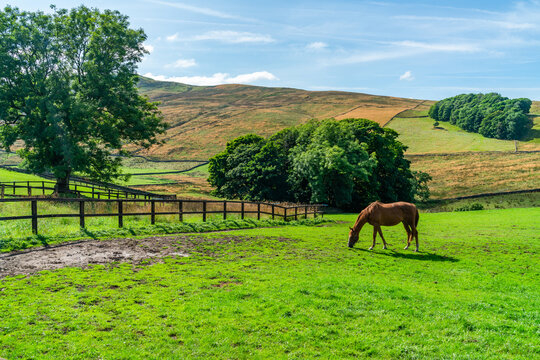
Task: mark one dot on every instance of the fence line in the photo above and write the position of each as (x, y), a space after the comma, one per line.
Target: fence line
(81, 182)
(95, 191)
(223, 207)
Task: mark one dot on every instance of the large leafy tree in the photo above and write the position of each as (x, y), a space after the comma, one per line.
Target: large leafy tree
(68, 91)
(346, 163)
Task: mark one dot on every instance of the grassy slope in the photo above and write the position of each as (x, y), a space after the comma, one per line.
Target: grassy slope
(470, 174)
(417, 132)
(6, 175)
(203, 119)
(472, 292)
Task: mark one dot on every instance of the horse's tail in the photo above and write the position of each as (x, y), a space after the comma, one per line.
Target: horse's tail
(417, 217)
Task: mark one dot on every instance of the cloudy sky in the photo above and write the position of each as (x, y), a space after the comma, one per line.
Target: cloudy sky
(417, 49)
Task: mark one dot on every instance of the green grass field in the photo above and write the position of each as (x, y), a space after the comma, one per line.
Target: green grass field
(296, 292)
(420, 136)
(6, 175)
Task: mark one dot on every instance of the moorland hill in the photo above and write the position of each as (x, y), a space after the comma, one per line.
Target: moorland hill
(203, 118)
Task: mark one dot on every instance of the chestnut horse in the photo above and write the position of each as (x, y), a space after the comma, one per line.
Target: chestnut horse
(378, 214)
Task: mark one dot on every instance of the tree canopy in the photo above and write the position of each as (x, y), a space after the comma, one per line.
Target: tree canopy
(490, 115)
(347, 163)
(68, 90)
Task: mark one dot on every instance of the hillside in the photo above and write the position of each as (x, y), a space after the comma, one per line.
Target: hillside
(203, 118)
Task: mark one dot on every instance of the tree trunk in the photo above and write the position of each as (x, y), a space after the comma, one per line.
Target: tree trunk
(62, 185)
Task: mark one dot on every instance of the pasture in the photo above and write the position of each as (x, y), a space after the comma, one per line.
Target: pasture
(294, 292)
(476, 173)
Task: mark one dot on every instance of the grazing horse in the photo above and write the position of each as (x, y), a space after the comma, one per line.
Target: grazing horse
(378, 214)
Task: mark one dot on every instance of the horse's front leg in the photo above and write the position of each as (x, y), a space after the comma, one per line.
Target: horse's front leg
(374, 237)
(382, 237)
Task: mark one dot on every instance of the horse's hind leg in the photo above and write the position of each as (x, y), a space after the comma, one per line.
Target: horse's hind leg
(382, 237)
(409, 234)
(415, 234)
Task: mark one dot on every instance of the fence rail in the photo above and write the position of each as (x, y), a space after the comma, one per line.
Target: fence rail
(117, 191)
(179, 207)
(95, 191)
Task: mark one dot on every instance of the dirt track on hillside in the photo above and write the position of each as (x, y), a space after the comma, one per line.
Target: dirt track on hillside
(82, 254)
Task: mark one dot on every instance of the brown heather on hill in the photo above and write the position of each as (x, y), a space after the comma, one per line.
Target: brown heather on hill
(203, 119)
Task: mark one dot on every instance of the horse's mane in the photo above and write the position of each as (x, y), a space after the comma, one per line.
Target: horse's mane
(364, 214)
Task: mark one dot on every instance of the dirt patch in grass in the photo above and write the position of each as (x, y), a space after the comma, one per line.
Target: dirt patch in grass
(95, 252)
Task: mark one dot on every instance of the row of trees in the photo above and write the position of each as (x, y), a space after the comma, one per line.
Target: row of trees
(490, 115)
(347, 164)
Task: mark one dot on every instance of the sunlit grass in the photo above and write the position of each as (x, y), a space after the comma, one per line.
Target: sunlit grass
(296, 292)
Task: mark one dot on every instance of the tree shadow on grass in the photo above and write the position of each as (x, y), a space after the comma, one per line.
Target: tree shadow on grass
(421, 255)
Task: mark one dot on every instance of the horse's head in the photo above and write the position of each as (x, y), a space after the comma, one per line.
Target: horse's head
(353, 238)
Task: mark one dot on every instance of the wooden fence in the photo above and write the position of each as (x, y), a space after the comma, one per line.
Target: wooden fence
(95, 191)
(136, 207)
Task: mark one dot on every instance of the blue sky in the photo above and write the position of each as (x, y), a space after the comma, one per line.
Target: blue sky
(417, 49)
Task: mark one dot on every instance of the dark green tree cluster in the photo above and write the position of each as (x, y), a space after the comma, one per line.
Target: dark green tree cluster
(347, 164)
(68, 90)
(490, 115)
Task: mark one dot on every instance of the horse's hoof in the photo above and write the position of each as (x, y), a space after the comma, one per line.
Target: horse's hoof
(384, 248)
(371, 248)
(405, 248)
(415, 250)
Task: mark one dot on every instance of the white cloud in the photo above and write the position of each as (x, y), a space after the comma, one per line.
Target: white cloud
(407, 76)
(217, 78)
(195, 9)
(317, 45)
(226, 36)
(172, 37)
(182, 63)
(402, 49)
(234, 37)
(148, 48)
(463, 47)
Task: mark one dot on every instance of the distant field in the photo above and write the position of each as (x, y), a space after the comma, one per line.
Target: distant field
(509, 201)
(470, 174)
(417, 132)
(6, 175)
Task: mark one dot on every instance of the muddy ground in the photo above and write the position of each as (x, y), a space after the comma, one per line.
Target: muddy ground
(94, 252)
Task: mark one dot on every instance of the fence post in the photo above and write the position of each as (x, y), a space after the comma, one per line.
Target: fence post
(109, 193)
(204, 211)
(93, 192)
(242, 210)
(285, 213)
(296, 213)
(181, 211)
(258, 211)
(2, 191)
(29, 189)
(43, 187)
(273, 213)
(120, 214)
(153, 212)
(14, 187)
(305, 211)
(34, 217)
(81, 214)
(224, 210)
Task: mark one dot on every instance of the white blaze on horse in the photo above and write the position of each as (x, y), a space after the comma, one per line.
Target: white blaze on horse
(379, 214)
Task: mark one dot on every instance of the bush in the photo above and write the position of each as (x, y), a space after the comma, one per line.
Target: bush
(470, 207)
